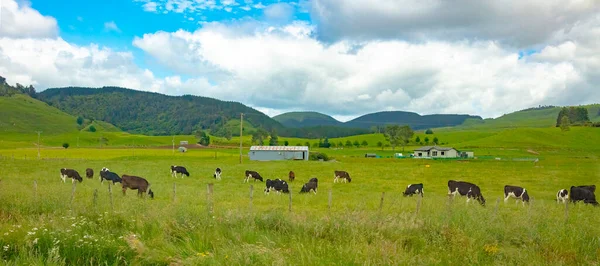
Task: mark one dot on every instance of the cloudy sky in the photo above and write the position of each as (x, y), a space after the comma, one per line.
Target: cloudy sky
(340, 57)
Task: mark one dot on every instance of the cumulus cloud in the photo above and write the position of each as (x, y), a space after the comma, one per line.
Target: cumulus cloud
(516, 22)
(150, 6)
(19, 20)
(279, 12)
(111, 26)
(286, 68)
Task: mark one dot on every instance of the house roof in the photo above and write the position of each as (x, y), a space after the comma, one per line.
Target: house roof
(279, 148)
(428, 148)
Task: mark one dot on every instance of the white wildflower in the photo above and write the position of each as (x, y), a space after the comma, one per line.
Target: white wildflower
(6, 233)
(35, 229)
(30, 233)
(35, 241)
(6, 247)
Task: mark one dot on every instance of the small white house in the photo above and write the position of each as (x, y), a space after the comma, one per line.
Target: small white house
(277, 153)
(183, 142)
(435, 152)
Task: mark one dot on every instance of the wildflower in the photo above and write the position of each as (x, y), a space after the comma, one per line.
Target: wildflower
(35, 229)
(30, 233)
(35, 241)
(6, 247)
(6, 233)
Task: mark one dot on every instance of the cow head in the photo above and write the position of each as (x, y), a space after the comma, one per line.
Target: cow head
(481, 200)
(151, 193)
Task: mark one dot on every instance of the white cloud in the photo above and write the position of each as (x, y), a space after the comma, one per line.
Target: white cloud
(279, 12)
(21, 21)
(286, 68)
(259, 6)
(150, 6)
(111, 26)
(247, 8)
(516, 22)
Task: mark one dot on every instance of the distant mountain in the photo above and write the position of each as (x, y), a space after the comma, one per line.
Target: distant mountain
(414, 120)
(153, 113)
(306, 119)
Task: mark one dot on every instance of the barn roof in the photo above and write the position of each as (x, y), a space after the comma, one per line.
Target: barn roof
(279, 148)
(428, 148)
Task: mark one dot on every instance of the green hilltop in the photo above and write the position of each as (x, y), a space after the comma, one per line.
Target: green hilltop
(306, 119)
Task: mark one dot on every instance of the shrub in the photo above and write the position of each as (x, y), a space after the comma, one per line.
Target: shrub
(65, 145)
(315, 156)
(429, 131)
(92, 129)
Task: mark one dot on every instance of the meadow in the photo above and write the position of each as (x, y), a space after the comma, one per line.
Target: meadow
(369, 222)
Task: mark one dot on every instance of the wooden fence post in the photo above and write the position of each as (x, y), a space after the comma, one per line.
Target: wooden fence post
(419, 204)
(381, 201)
(290, 204)
(497, 205)
(73, 194)
(111, 196)
(174, 191)
(329, 203)
(209, 188)
(251, 192)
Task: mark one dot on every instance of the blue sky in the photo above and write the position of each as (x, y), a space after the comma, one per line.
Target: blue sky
(339, 57)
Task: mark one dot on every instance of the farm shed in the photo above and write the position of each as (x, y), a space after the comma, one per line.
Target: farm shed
(466, 154)
(435, 152)
(277, 153)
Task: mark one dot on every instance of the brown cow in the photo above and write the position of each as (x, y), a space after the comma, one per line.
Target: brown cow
(89, 173)
(136, 182)
(292, 176)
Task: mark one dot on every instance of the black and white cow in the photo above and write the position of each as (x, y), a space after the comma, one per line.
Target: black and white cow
(136, 183)
(70, 173)
(312, 184)
(413, 189)
(341, 175)
(217, 174)
(518, 193)
(89, 173)
(562, 196)
(582, 194)
(106, 174)
(252, 174)
(278, 185)
(462, 188)
(179, 170)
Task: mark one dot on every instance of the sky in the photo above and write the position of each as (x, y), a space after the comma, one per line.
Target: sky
(342, 58)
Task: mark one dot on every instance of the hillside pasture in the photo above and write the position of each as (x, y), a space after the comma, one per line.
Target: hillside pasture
(184, 225)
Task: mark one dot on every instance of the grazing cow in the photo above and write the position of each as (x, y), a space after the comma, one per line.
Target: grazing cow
(105, 173)
(518, 193)
(591, 188)
(179, 170)
(217, 174)
(252, 174)
(462, 188)
(278, 185)
(413, 189)
(292, 176)
(562, 196)
(582, 194)
(136, 182)
(341, 175)
(312, 184)
(89, 173)
(70, 173)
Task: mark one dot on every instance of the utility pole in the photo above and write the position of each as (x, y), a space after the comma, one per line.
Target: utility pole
(241, 131)
(39, 132)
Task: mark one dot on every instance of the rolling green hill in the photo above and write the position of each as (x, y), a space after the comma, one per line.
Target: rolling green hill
(414, 120)
(306, 119)
(151, 113)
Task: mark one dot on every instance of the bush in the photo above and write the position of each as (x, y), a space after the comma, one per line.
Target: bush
(92, 129)
(65, 145)
(429, 131)
(315, 156)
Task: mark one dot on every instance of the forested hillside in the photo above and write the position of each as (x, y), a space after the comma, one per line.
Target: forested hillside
(306, 119)
(414, 120)
(152, 113)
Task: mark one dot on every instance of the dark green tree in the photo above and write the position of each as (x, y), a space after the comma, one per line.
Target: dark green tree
(202, 137)
(435, 140)
(380, 145)
(65, 145)
(92, 129)
(287, 143)
(564, 123)
(356, 143)
(259, 136)
(274, 140)
(426, 140)
(348, 144)
(418, 139)
(429, 131)
(398, 135)
(80, 120)
(364, 143)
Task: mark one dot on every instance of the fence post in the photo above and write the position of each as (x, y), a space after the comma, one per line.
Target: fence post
(497, 204)
(73, 194)
(35, 189)
(251, 192)
(419, 204)
(174, 191)
(329, 204)
(209, 188)
(111, 196)
(290, 204)
(566, 210)
(381, 201)
(95, 201)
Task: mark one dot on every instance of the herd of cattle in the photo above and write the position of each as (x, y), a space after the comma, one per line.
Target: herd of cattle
(470, 190)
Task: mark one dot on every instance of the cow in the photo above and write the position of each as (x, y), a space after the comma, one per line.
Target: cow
(179, 170)
(89, 173)
(136, 182)
(341, 175)
(106, 174)
(278, 185)
(516, 192)
(591, 188)
(217, 174)
(312, 184)
(292, 176)
(462, 188)
(562, 196)
(582, 194)
(252, 174)
(70, 173)
(413, 189)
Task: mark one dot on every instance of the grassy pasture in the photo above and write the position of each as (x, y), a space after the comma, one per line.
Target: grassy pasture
(180, 230)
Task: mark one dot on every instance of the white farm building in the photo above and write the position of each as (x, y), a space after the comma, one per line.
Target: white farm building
(277, 153)
(441, 152)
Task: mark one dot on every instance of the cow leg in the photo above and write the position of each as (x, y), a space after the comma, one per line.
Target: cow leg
(72, 180)
(506, 197)
(63, 178)
(124, 190)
